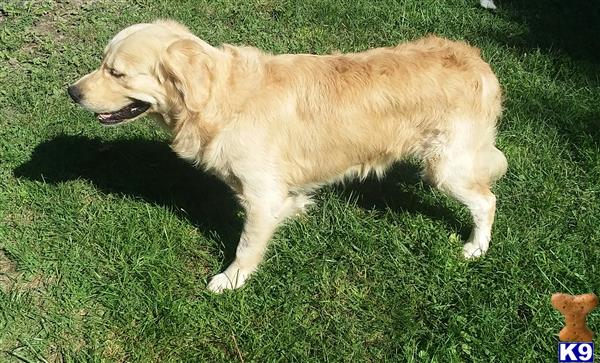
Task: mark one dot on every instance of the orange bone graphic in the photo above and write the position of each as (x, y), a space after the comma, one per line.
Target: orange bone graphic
(575, 308)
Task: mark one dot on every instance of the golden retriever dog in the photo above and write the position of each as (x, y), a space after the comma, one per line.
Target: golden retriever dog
(277, 127)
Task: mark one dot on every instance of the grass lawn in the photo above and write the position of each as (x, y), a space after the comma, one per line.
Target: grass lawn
(104, 258)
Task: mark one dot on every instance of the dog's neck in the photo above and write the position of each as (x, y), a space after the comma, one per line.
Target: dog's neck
(193, 132)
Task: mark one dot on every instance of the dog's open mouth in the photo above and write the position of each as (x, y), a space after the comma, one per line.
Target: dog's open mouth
(130, 111)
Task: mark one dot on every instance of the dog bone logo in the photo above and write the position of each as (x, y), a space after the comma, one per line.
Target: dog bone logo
(575, 309)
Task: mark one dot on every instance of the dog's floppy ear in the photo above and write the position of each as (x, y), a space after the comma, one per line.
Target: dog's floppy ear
(188, 67)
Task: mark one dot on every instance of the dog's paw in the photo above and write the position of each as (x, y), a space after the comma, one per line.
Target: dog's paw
(223, 281)
(472, 250)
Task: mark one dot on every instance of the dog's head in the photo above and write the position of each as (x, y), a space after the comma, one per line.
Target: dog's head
(147, 68)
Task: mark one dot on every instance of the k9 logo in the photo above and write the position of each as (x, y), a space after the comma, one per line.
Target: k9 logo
(575, 352)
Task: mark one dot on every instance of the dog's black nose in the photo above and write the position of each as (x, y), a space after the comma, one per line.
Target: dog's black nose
(75, 93)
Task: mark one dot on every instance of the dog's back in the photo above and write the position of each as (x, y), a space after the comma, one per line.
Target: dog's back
(363, 111)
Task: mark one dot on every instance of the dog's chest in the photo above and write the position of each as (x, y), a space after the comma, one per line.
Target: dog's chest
(216, 159)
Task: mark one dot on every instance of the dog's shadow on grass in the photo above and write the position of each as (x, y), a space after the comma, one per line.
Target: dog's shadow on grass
(143, 169)
(149, 170)
(401, 191)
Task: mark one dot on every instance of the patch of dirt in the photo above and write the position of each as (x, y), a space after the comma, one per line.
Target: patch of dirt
(46, 26)
(59, 22)
(13, 280)
(8, 272)
(20, 218)
(113, 350)
(75, 342)
(82, 2)
(37, 282)
(75, 5)
(52, 24)
(14, 63)
(55, 355)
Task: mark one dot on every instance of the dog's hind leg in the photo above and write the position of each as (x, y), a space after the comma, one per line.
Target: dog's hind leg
(482, 205)
(467, 175)
(265, 210)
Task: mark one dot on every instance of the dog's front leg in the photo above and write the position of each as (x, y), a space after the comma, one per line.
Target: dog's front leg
(263, 215)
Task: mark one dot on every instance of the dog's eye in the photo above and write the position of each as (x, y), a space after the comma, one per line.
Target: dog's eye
(113, 72)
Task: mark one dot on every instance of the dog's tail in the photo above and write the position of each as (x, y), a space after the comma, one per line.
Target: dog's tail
(489, 159)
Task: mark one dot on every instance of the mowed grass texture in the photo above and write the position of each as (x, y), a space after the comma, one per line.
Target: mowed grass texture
(107, 240)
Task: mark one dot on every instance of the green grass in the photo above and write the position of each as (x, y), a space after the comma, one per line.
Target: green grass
(105, 258)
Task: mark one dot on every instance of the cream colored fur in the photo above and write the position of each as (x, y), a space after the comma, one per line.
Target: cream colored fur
(276, 127)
